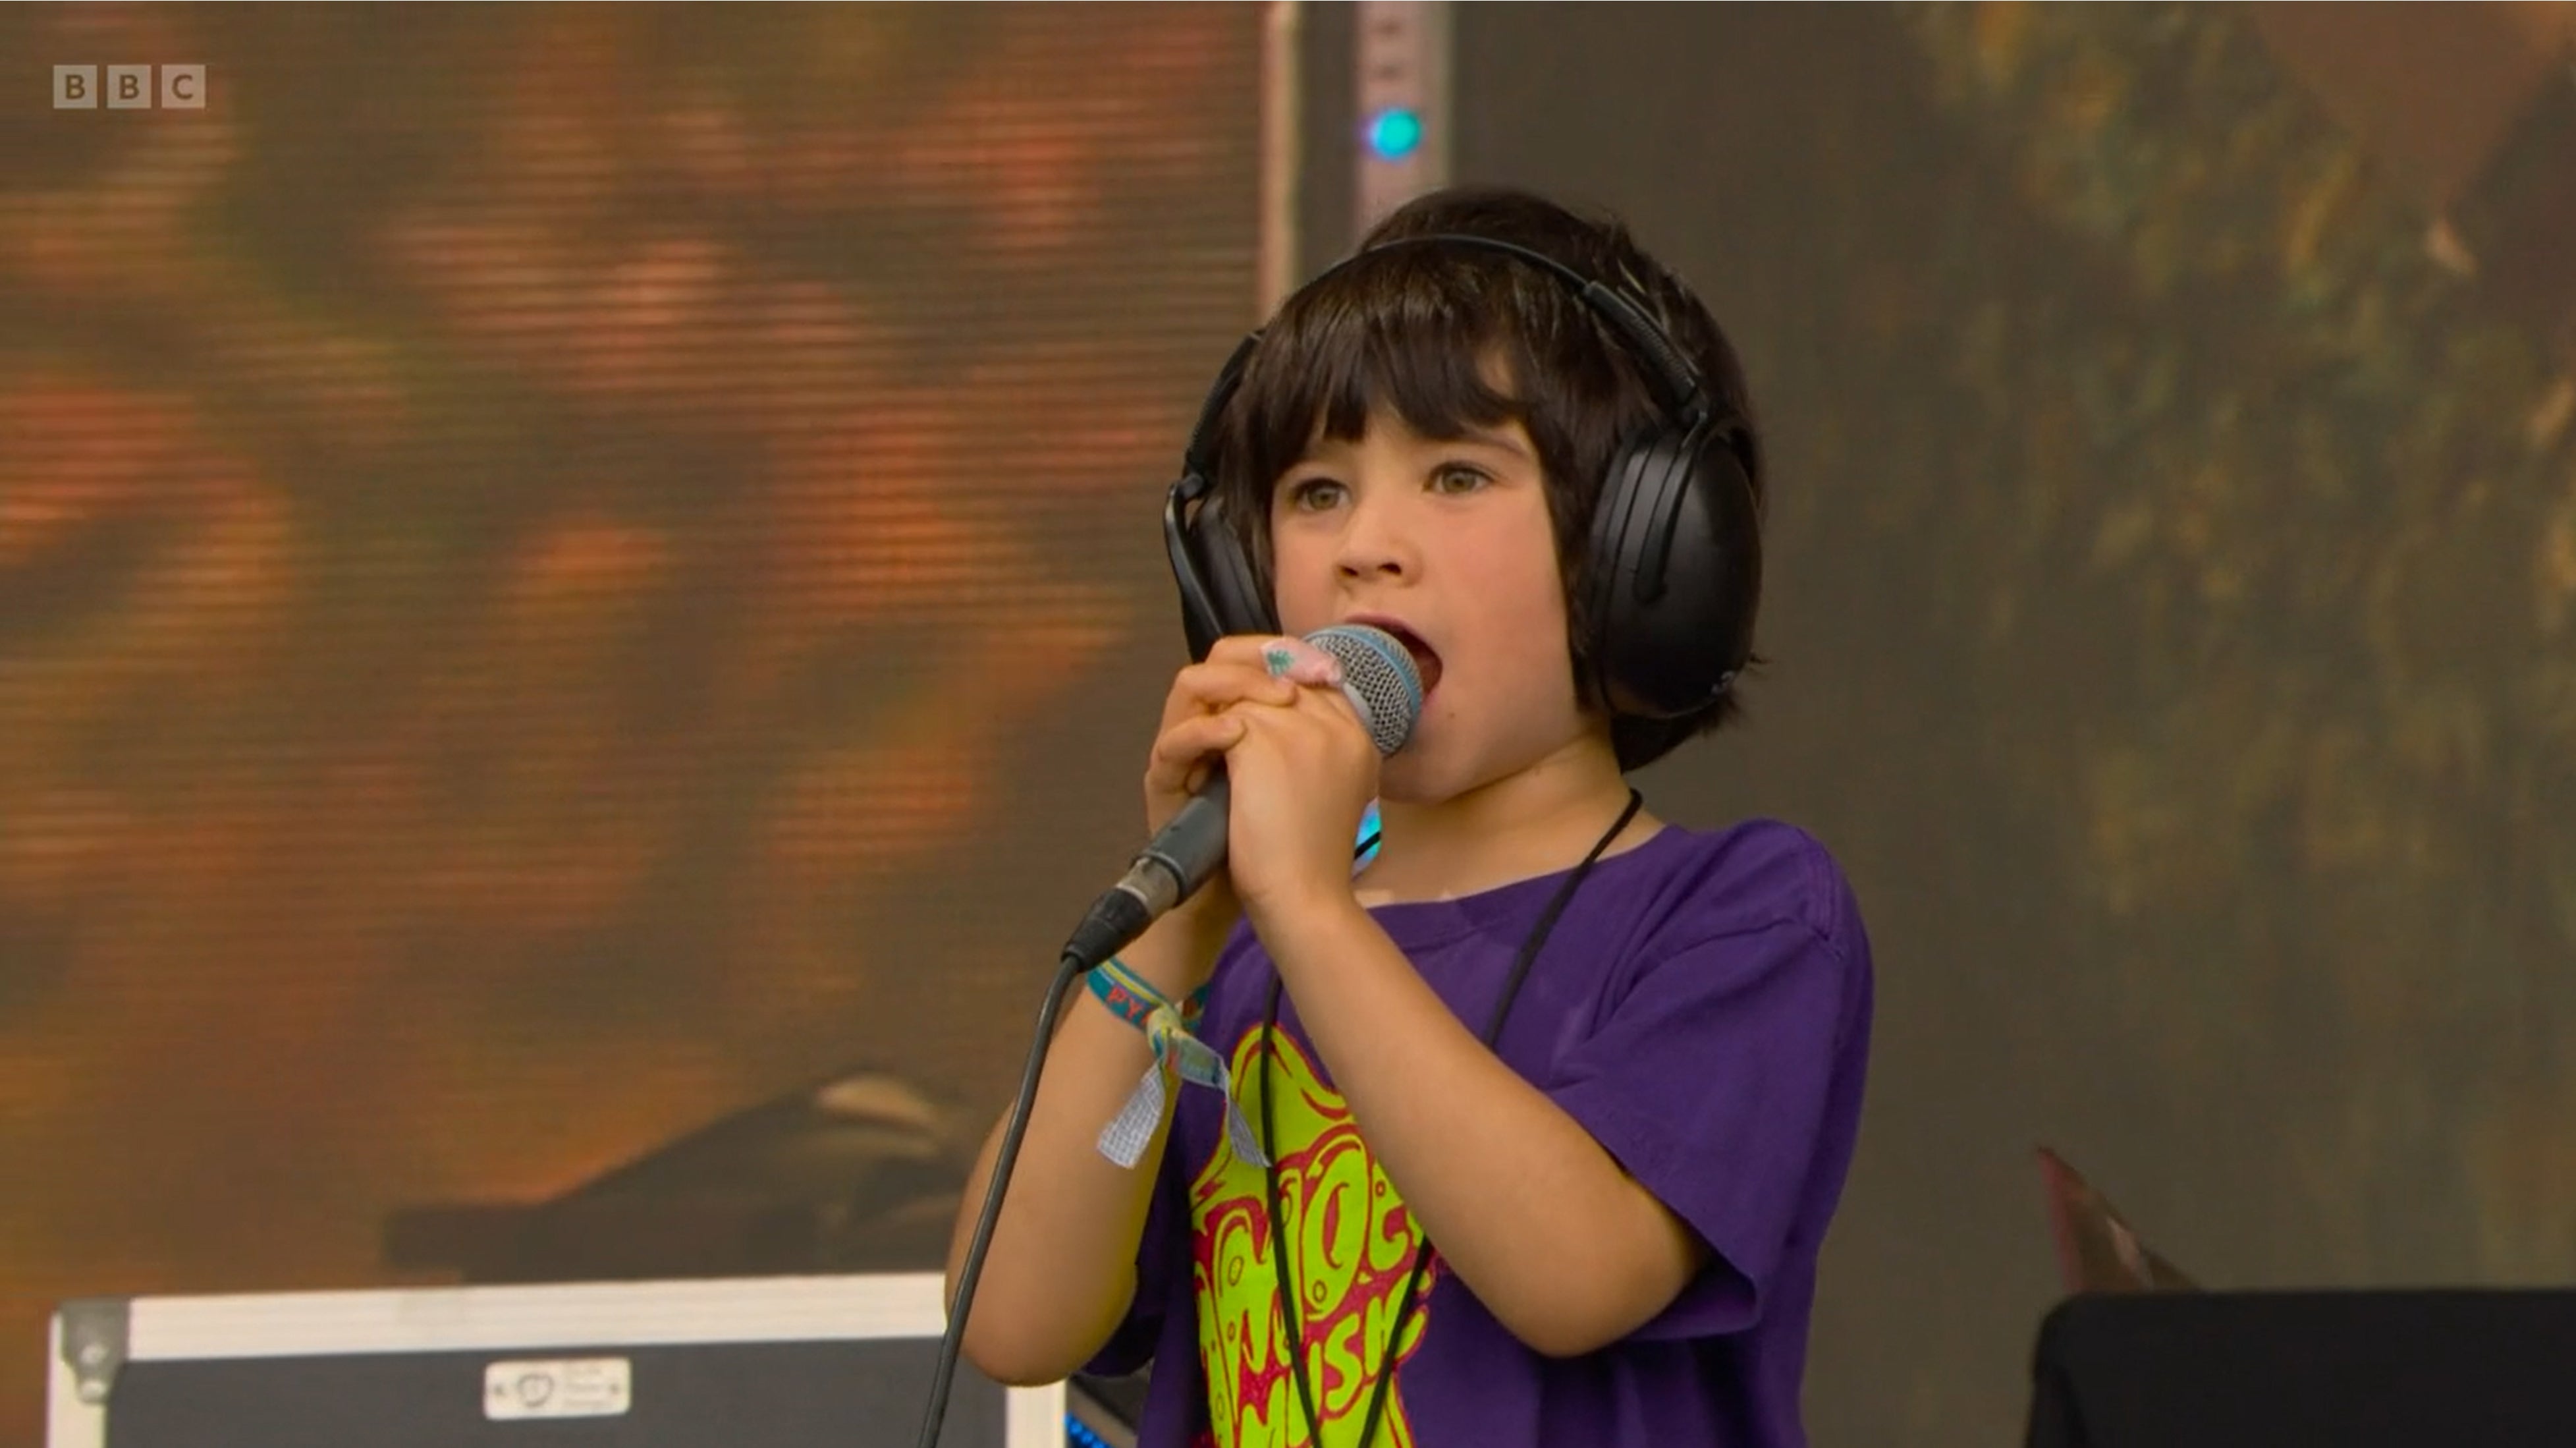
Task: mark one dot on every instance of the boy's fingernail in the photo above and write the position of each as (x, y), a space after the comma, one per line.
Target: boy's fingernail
(1326, 671)
(1302, 662)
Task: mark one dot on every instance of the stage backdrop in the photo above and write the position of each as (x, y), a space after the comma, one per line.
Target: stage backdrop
(566, 574)
(563, 572)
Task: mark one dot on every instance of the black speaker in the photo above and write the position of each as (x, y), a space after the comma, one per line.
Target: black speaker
(2348, 1369)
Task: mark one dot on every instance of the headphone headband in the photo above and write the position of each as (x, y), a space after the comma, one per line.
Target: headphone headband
(1675, 383)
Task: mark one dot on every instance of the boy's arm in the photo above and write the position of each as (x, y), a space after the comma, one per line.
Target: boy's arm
(1062, 1266)
(1557, 1240)
(1061, 1270)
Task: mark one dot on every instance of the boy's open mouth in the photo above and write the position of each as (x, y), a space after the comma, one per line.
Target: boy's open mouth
(1425, 661)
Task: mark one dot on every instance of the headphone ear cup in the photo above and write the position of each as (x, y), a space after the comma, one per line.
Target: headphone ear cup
(1672, 621)
(1236, 601)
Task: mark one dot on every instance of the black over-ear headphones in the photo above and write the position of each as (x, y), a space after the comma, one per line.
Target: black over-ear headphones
(1671, 624)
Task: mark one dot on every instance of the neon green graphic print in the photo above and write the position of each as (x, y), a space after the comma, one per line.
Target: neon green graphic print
(1351, 1244)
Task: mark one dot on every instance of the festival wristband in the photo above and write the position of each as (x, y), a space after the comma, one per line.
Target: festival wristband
(1167, 1030)
(1131, 1000)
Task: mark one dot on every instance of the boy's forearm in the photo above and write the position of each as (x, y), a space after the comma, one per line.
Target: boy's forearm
(1540, 1222)
(1061, 1267)
(1054, 1279)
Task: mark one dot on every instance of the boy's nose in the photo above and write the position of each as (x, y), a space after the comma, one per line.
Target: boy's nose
(1377, 544)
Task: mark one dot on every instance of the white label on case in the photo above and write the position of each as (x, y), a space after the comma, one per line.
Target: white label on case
(563, 1388)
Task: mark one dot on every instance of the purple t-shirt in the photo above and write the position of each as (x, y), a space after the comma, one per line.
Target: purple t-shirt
(1702, 1008)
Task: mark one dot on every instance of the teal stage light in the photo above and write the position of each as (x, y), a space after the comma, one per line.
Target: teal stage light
(1395, 134)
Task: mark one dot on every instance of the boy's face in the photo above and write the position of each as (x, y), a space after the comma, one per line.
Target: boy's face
(1449, 546)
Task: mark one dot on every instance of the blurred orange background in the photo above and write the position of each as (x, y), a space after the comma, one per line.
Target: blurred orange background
(525, 536)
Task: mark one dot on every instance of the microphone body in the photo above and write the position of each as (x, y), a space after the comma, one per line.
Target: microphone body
(1384, 687)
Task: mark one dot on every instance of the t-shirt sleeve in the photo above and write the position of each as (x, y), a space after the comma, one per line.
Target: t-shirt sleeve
(1161, 1254)
(1712, 1082)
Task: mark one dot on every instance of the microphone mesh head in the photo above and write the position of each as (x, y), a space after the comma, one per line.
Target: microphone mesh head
(1378, 677)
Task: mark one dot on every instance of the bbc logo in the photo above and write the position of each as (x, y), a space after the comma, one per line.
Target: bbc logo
(129, 87)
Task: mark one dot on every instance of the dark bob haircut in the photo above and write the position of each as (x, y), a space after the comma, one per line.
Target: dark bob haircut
(1426, 330)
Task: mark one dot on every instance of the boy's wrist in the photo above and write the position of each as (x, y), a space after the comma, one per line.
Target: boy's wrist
(1323, 908)
(1177, 954)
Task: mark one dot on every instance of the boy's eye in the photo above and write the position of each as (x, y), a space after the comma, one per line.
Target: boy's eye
(1458, 478)
(1313, 493)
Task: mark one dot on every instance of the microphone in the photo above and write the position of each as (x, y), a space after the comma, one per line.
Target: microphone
(1385, 689)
